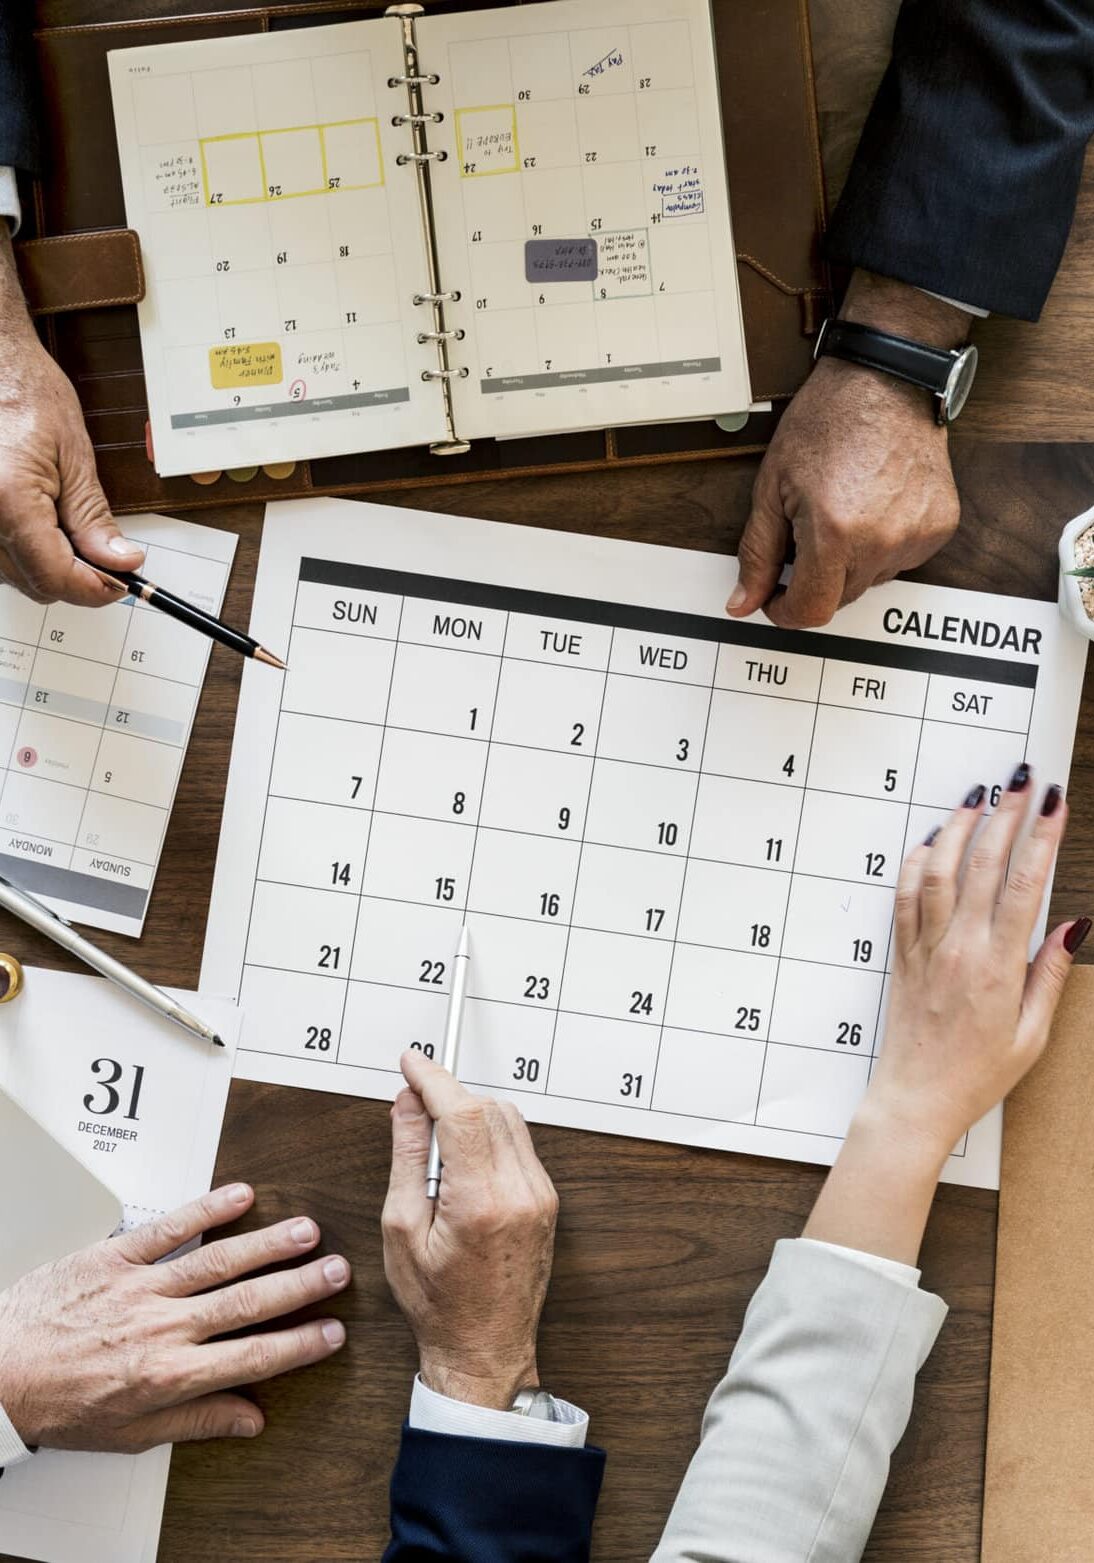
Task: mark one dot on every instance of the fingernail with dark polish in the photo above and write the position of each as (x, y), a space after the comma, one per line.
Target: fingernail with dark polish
(1076, 934)
(930, 839)
(975, 798)
(1052, 800)
(1020, 780)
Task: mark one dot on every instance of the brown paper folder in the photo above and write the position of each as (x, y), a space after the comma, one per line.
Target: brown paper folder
(1039, 1484)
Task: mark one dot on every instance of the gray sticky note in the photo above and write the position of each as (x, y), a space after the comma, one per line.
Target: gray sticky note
(560, 260)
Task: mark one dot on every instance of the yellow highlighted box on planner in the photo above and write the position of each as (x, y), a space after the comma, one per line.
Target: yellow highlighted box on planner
(487, 140)
(242, 364)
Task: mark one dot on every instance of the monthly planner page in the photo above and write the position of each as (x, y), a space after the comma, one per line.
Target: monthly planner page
(582, 214)
(282, 245)
(674, 836)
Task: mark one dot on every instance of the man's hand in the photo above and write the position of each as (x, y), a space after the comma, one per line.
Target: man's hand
(50, 498)
(109, 1350)
(858, 469)
(470, 1274)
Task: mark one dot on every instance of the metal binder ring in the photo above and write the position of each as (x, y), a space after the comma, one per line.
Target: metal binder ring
(446, 374)
(413, 81)
(438, 298)
(416, 119)
(442, 336)
(421, 157)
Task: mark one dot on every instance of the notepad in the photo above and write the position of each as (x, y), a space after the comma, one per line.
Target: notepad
(395, 231)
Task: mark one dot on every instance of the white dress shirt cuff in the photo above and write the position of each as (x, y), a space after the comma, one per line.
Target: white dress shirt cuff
(13, 1451)
(433, 1413)
(9, 199)
(907, 1275)
(970, 309)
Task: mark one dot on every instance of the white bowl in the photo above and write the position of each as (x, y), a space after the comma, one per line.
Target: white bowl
(1069, 596)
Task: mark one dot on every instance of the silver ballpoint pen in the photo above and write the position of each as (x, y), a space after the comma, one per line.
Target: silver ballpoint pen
(27, 907)
(450, 1050)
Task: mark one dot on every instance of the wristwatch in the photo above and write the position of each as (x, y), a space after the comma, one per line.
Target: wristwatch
(946, 372)
(534, 1402)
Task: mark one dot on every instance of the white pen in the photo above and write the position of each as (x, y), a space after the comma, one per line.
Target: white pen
(23, 905)
(450, 1049)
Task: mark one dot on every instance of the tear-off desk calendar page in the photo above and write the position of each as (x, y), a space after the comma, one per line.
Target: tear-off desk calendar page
(96, 710)
(142, 1105)
(674, 836)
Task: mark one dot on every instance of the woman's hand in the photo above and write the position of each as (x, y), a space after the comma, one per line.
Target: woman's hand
(967, 1016)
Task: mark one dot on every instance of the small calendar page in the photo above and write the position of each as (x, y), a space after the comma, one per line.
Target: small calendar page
(282, 245)
(96, 708)
(582, 214)
(674, 836)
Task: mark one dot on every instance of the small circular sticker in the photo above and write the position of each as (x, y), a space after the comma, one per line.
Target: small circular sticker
(27, 757)
(297, 391)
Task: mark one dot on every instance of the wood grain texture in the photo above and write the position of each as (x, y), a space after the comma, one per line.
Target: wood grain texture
(659, 1247)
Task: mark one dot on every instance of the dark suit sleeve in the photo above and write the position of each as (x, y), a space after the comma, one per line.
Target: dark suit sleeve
(482, 1501)
(18, 138)
(965, 179)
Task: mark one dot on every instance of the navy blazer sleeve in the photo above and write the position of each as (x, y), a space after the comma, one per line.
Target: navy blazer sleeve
(18, 138)
(483, 1501)
(965, 179)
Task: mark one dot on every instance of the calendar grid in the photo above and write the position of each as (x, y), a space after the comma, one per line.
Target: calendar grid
(673, 744)
(793, 861)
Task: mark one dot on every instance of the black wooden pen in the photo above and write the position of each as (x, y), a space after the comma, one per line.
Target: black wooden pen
(186, 613)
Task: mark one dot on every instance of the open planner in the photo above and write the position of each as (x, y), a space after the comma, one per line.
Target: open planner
(415, 230)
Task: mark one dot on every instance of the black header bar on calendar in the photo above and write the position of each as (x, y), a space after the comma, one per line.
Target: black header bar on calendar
(666, 621)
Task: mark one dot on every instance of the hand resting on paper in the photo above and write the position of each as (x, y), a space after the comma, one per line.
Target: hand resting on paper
(110, 1350)
(470, 1269)
(858, 471)
(967, 1015)
(50, 497)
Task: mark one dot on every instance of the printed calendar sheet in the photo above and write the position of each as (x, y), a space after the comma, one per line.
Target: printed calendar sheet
(96, 707)
(142, 1105)
(674, 836)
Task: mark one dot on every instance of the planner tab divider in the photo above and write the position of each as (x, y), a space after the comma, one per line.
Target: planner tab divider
(418, 117)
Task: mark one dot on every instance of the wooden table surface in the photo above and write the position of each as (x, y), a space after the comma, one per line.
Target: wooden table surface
(659, 1247)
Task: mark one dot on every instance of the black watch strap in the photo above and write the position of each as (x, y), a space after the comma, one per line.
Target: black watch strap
(915, 362)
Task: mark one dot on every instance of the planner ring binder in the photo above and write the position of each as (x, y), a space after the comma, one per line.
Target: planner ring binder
(418, 117)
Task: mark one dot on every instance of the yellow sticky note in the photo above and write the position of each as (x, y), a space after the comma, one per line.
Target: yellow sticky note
(245, 363)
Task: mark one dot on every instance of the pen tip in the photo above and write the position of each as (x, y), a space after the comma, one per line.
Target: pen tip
(218, 1042)
(262, 655)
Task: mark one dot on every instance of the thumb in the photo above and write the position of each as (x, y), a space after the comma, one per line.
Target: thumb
(211, 1416)
(84, 513)
(411, 1127)
(1045, 981)
(762, 550)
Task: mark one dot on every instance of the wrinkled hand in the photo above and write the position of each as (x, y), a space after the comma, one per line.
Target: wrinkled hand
(967, 1016)
(858, 471)
(469, 1270)
(50, 497)
(109, 1350)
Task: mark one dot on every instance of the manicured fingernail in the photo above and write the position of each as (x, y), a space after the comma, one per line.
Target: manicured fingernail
(244, 1427)
(333, 1332)
(975, 798)
(1052, 800)
(1076, 934)
(1020, 780)
(303, 1232)
(238, 1194)
(122, 545)
(736, 598)
(336, 1271)
(932, 836)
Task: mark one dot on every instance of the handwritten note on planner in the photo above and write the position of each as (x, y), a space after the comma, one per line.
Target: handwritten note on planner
(142, 1106)
(675, 837)
(96, 707)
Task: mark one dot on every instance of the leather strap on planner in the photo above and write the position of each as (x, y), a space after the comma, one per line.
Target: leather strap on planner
(81, 271)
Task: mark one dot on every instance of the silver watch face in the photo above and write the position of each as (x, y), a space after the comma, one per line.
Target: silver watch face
(958, 385)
